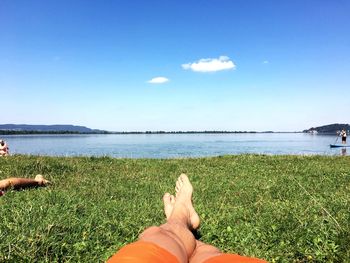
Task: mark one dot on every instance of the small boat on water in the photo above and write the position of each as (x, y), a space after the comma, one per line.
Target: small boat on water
(339, 145)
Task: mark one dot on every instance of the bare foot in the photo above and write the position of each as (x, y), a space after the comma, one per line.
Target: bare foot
(183, 202)
(41, 180)
(169, 202)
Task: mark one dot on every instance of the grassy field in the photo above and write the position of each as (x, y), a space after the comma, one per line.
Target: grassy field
(280, 208)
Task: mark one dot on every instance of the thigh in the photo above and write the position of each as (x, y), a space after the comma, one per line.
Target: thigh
(142, 252)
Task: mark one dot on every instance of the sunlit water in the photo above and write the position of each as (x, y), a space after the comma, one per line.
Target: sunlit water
(172, 145)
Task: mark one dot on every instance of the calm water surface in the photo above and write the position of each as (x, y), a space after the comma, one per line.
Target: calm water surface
(172, 145)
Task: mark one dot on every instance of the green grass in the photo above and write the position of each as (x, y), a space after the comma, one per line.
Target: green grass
(280, 208)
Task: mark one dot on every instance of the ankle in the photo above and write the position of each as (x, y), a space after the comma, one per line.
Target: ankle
(178, 222)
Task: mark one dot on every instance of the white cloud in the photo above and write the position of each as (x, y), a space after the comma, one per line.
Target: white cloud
(158, 80)
(210, 64)
(265, 62)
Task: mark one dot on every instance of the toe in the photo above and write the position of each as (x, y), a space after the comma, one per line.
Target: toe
(178, 182)
(178, 185)
(166, 198)
(184, 178)
(172, 199)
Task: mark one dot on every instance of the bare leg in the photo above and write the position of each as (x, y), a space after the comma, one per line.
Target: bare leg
(203, 252)
(175, 235)
(18, 183)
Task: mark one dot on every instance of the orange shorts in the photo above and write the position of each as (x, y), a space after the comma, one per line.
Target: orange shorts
(147, 252)
(142, 252)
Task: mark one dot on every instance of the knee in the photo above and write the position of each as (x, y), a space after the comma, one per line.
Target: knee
(150, 231)
(203, 252)
(202, 247)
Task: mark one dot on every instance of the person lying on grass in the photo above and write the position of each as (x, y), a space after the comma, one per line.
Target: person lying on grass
(4, 149)
(174, 241)
(21, 183)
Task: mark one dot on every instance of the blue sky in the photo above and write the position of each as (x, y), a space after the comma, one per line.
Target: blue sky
(218, 65)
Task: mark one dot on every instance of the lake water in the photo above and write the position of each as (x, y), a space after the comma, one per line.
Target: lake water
(172, 145)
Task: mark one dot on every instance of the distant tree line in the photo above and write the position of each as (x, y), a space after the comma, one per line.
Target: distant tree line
(23, 132)
(179, 132)
(330, 129)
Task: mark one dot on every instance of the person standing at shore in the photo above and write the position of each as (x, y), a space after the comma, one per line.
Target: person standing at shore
(4, 149)
(343, 136)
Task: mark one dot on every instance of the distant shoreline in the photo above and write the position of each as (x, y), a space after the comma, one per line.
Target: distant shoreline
(12, 132)
(18, 129)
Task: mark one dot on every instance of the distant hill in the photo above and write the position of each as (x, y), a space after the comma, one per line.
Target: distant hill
(22, 128)
(331, 128)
